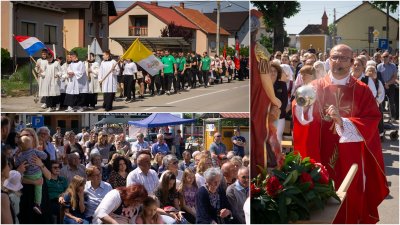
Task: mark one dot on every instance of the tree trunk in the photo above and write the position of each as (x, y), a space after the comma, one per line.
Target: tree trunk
(279, 31)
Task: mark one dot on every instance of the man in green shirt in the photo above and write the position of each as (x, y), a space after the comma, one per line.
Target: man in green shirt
(169, 71)
(205, 64)
(181, 62)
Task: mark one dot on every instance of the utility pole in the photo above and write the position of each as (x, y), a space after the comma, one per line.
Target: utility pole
(334, 27)
(218, 25)
(387, 22)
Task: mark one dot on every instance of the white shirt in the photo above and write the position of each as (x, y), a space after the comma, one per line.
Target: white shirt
(130, 69)
(200, 180)
(371, 84)
(109, 204)
(149, 181)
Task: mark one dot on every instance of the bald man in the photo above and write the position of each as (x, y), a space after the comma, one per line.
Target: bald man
(237, 194)
(143, 174)
(340, 129)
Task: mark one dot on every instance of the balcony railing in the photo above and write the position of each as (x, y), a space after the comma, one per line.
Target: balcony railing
(137, 31)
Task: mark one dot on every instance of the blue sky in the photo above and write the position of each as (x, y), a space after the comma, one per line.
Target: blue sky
(203, 6)
(312, 11)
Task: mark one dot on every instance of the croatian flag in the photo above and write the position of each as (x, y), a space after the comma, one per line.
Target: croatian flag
(30, 44)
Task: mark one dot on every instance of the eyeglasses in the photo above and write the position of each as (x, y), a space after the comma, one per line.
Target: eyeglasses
(340, 58)
(175, 163)
(245, 177)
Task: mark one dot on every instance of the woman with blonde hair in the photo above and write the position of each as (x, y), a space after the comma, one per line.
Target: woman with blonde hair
(103, 145)
(201, 167)
(74, 202)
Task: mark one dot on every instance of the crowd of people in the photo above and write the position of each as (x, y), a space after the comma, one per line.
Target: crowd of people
(74, 85)
(379, 72)
(95, 177)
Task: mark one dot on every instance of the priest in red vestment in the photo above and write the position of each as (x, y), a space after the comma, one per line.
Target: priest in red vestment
(341, 128)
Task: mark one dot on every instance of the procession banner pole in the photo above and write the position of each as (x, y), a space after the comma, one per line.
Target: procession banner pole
(54, 51)
(109, 72)
(32, 70)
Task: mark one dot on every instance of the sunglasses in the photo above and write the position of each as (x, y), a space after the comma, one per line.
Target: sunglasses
(385, 56)
(175, 163)
(295, 61)
(55, 167)
(245, 177)
(218, 136)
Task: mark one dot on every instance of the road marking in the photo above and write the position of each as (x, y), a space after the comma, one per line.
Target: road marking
(149, 108)
(181, 100)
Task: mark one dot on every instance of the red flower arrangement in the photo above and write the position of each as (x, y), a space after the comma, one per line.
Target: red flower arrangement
(289, 193)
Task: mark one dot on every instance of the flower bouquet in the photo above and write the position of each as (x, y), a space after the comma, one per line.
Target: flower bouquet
(290, 193)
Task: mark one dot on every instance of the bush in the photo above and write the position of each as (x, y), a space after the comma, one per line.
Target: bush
(6, 63)
(23, 73)
(82, 53)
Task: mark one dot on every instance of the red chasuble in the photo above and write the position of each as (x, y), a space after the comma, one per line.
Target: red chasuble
(261, 132)
(320, 141)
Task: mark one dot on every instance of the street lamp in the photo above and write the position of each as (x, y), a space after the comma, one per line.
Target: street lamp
(218, 22)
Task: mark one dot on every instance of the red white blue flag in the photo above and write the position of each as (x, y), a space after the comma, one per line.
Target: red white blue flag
(30, 44)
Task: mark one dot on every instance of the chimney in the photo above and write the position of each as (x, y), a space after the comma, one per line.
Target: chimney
(154, 3)
(182, 5)
(324, 24)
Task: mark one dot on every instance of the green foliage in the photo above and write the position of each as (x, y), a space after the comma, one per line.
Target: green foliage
(6, 62)
(296, 195)
(23, 74)
(82, 53)
(15, 88)
(244, 51)
(274, 13)
(331, 29)
(267, 42)
(229, 51)
(393, 5)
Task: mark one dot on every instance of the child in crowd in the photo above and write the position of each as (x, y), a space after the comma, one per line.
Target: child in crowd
(187, 195)
(149, 214)
(74, 202)
(13, 186)
(32, 172)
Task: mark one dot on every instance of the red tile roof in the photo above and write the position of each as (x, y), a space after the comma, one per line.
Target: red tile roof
(255, 12)
(201, 20)
(165, 14)
(235, 115)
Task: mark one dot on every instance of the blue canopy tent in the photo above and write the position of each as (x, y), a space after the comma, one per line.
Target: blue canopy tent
(160, 120)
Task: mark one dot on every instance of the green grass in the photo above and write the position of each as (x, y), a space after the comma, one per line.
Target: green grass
(15, 88)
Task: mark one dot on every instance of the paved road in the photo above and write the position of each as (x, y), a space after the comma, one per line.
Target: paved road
(228, 97)
(389, 208)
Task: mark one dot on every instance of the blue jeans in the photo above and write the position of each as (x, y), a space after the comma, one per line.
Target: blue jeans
(68, 220)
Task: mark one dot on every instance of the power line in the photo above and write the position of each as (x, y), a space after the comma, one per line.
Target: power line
(232, 2)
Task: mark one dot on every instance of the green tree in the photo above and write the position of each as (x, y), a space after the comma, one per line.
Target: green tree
(82, 53)
(389, 6)
(267, 42)
(274, 13)
(6, 62)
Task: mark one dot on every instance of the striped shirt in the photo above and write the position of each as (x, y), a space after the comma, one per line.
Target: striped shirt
(32, 168)
(149, 181)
